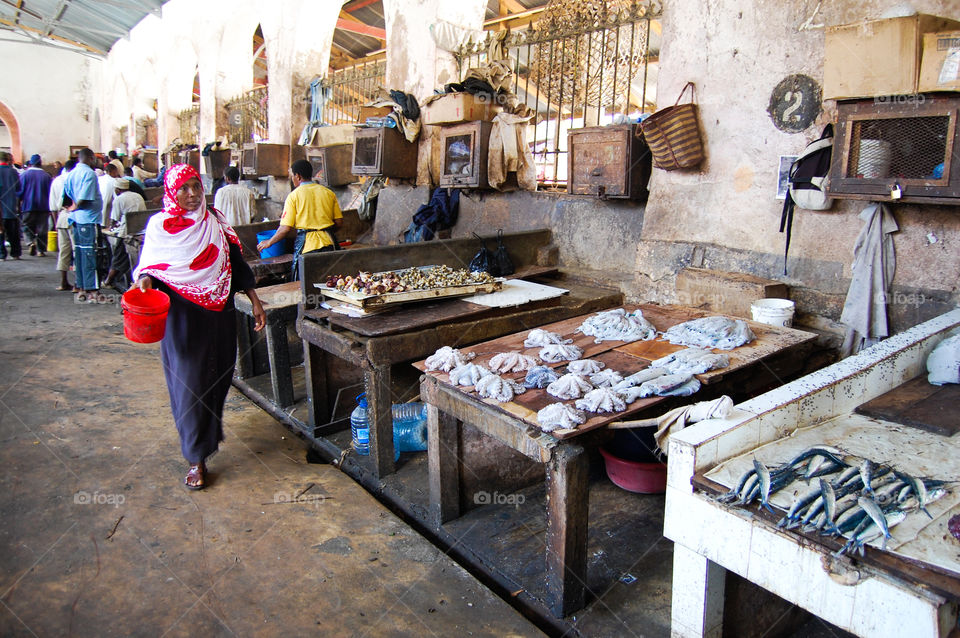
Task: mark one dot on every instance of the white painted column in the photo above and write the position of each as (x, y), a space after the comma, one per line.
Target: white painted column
(697, 607)
(414, 62)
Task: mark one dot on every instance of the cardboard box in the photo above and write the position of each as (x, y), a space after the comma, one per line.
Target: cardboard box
(332, 135)
(940, 69)
(373, 111)
(878, 57)
(454, 108)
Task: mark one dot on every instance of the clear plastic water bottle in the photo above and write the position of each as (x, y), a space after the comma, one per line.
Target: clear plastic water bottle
(360, 427)
(410, 427)
(360, 430)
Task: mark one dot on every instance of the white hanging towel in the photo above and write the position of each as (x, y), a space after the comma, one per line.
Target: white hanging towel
(874, 263)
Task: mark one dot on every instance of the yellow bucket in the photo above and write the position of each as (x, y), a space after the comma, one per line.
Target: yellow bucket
(52, 241)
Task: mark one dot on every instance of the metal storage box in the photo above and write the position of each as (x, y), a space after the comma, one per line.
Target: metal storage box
(263, 160)
(465, 155)
(608, 161)
(331, 164)
(383, 152)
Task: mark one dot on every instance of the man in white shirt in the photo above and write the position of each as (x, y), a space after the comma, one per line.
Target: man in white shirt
(107, 183)
(64, 235)
(236, 202)
(124, 201)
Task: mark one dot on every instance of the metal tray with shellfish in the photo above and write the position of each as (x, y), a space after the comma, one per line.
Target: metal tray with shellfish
(420, 283)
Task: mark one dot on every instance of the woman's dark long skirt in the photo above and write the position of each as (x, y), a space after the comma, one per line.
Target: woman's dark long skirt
(199, 352)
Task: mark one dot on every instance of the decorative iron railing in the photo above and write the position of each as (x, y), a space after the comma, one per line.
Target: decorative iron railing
(346, 90)
(583, 63)
(189, 119)
(247, 116)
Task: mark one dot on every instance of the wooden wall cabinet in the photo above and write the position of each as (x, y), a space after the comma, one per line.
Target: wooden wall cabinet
(149, 161)
(331, 164)
(608, 161)
(909, 146)
(260, 159)
(216, 162)
(189, 157)
(464, 147)
(383, 152)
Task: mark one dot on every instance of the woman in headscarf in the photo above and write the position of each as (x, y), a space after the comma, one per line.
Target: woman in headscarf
(193, 255)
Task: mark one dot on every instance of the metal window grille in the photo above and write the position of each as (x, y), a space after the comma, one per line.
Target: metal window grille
(247, 116)
(903, 147)
(350, 88)
(583, 63)
(190, 125)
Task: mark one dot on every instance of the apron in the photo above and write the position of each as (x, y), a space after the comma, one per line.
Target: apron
(302, 239)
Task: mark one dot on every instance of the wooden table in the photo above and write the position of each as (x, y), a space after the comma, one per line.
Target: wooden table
(412, 332)
(280, 304)
(563, 452)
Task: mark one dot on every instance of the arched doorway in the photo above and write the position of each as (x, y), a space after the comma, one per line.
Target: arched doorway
(13, 127)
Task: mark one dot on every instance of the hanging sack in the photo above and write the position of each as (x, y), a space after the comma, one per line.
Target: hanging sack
(807, 183)
(673, 135)
(483, 260)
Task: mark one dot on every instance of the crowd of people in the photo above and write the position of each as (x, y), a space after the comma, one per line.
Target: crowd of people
(190, 251)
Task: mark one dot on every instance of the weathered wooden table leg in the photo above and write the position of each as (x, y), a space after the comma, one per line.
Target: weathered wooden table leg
(380, 415)
(567, 510)
(278, 351)
(314, 365)
(443, 453)
(244, 347)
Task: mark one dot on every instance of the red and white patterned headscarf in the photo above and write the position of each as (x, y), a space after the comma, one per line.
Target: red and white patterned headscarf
(188, 250)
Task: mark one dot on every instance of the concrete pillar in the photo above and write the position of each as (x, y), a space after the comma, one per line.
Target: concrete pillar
(697, 598)
(414, 63)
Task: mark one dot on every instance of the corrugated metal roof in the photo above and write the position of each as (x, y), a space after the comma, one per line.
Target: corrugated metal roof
(92, 25)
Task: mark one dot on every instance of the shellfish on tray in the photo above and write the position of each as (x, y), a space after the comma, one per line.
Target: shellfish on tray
(468, 374)
(601, 400)
(540, 377)
(511, 362)
(556, 352)
(538, 337)
(446, 359)
(569, 386)
(559, 416)
(497, 388)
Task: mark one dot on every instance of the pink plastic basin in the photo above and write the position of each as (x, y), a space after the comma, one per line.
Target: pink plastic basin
(633, 476)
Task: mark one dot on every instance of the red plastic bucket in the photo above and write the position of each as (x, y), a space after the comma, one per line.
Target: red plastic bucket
(634, 476)
(144, 315)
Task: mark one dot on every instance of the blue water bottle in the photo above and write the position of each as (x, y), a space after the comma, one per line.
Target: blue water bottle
(410, 427)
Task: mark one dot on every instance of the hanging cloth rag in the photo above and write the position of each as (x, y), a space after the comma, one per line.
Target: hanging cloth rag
(370, 192)
(874, 263)
(675, 420)
(509, 153)
(319, 96)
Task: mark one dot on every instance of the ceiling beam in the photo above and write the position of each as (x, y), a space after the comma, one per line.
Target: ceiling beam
(514, 18)
(508, 7)
(30, 31)
(361, 29)
(350, 7)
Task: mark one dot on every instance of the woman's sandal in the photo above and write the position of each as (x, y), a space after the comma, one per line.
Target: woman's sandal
(196, 478)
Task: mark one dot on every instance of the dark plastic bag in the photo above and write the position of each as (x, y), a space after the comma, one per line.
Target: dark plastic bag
(483, 260)
(501, 260)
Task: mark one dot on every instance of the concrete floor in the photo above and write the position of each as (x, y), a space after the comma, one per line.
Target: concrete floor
(99, 538)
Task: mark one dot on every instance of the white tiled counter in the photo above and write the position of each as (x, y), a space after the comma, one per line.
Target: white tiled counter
(711, 538)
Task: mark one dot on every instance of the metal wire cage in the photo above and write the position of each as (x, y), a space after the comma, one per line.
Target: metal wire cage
(901, 147)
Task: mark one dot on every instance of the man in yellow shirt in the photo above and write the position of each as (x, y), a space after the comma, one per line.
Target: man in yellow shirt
(310, 210)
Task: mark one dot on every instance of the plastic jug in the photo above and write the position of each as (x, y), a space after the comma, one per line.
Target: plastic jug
(360, 430)
(410, 427)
